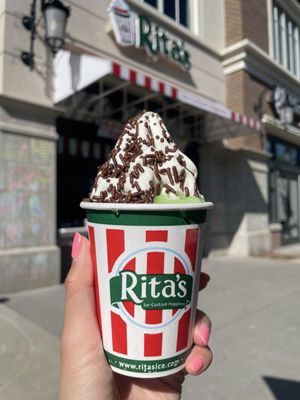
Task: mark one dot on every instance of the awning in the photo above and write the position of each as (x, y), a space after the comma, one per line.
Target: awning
(73, 72)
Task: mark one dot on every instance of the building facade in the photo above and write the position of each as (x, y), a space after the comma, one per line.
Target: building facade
(217, 86)
(261, 64)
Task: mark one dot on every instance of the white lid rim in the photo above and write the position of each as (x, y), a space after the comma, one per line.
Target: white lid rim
(145, 206)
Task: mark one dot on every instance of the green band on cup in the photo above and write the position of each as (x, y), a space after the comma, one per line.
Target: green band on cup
(146, 366)
(147, 218)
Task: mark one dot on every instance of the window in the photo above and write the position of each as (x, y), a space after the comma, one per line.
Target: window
(175, 9)
(284, 152)
(286, 46)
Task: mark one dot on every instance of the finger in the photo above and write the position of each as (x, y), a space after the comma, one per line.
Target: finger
(198, 360)
(80, 309)
(202, 329)
(204, 279)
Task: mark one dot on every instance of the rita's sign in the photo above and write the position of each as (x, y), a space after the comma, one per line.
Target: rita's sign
(131, 29)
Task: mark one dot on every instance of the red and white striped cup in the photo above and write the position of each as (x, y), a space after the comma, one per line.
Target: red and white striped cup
(147, 262)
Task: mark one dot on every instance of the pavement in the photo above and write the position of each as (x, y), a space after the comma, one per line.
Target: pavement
(290, 251)
(254, 304)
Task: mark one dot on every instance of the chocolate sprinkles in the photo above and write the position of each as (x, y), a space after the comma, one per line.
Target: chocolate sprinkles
(151, 169)
(169, 189)
(170, 176)
(175, 173)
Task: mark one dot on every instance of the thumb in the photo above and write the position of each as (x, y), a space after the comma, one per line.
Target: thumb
(81, 272)
(85, 373)
(80, 308)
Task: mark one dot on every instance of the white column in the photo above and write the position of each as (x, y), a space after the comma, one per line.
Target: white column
(283, 39)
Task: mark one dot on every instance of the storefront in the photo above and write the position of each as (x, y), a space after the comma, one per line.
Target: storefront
(195, 122)
(284, 179)
(119, 58)
(284, 188)
(262, 77)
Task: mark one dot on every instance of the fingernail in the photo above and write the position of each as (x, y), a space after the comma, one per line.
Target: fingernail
(76, 245)
(196, 364)
(204, 279)
(204, 333)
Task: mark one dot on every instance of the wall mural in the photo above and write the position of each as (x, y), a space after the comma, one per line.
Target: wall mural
(27, 191)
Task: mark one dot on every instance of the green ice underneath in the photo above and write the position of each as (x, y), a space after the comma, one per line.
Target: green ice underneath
(181, 198)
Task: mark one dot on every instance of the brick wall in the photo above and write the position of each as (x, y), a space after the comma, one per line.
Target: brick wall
(235, 91)
(245, 19)
(233, 21)
(255, 19)
(254, 140)
(242, 93)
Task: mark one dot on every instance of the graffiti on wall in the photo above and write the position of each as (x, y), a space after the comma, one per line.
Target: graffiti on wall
(27, 191)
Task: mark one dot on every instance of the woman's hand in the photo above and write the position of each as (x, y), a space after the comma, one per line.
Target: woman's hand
(85, 373)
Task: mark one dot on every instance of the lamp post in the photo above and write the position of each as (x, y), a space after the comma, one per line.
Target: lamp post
(55, 15)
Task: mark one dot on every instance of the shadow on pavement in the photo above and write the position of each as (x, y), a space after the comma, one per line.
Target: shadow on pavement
(4, 299)
(283, 389)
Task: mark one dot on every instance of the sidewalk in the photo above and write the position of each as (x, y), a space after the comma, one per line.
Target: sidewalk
(254, 304)
(290, 251)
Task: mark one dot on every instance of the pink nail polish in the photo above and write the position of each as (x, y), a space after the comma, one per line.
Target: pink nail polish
(204, 333)
(196, 364)
(76, 245)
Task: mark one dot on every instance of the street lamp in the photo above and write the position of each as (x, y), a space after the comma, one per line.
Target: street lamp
(55, 16)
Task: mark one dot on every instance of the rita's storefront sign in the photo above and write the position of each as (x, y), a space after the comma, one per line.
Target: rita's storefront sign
(131, 29)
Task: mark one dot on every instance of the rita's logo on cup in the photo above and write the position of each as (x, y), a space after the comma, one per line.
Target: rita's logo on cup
(152, 292)
(134, 286)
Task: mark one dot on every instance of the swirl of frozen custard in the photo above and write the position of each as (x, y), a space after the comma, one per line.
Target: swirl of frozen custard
(145, 163)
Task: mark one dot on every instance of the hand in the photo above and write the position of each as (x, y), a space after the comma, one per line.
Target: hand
(85, 373)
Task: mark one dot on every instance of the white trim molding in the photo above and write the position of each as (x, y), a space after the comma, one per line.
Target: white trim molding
(29, 130)
(245, 55)
(278, 129)
(270, 27)
(18, 251)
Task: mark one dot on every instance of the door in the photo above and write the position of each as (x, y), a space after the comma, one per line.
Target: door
(287, 206)
(79, 152)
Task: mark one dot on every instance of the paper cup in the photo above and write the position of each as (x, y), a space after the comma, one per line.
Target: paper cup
(147, 260)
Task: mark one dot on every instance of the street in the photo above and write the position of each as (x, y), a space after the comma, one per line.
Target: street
(254, 306)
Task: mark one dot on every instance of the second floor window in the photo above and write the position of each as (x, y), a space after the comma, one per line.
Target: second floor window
(175, 9)
(286, 43)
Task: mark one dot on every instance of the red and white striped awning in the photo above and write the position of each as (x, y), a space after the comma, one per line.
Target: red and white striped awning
(73, 72)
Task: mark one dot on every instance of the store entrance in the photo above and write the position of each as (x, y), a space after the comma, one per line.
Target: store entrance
(286, 201)
(284, 187)
(80, 151)
(93, 121)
